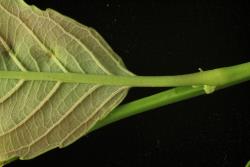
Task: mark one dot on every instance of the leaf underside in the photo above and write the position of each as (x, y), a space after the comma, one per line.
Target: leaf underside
(37, 116)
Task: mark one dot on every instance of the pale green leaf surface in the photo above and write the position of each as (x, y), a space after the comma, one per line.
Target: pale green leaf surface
(37, 116)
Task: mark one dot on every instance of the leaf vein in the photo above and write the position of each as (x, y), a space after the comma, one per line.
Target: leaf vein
(49, 95)
(42, 45)
(12, 54)
(81, 44)
(59, 121)
(93, 114)
(12, 91)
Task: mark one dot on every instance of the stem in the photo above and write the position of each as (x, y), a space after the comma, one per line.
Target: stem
(216, 77)
(164, 98)
(148, 103)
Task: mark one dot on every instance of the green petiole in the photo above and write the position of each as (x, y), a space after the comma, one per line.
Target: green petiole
(216, 77)
(165, 98)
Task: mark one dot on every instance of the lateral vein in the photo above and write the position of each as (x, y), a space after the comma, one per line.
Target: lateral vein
(44, 47)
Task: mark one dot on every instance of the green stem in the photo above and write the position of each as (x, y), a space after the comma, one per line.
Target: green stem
(148, 103)
(167, 97)
(216, 77)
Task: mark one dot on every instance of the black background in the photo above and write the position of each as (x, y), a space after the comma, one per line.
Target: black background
(166, 38)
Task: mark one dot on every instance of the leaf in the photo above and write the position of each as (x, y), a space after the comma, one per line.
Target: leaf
(37, 116)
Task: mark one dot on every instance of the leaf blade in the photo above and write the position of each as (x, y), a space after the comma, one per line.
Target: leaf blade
(38, 116)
